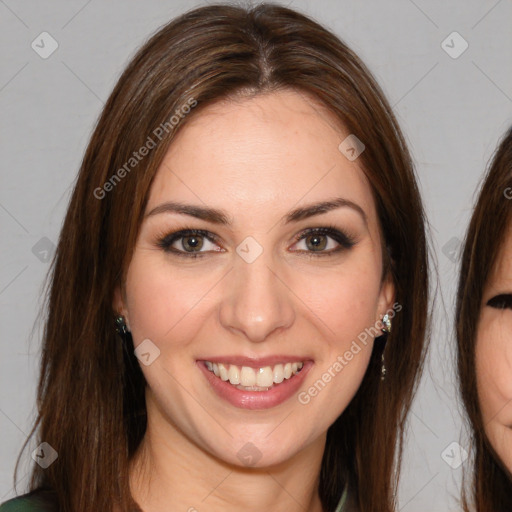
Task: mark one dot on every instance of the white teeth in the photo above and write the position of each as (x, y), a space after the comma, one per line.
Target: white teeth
(247, 376)
(252, 388)
(264, 377)
(278, 373)
(223, 372)
(234, 375)
(250, 379)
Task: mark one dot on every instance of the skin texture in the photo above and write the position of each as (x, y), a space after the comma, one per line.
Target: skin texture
(257, 159)
(494, 357)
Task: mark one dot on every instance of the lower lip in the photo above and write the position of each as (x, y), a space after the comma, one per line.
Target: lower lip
(256, 399)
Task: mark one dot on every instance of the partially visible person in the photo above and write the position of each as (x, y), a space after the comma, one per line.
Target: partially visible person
(484, 337)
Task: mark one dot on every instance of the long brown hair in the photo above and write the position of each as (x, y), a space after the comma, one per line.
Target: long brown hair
(91, 391)
(491, 484)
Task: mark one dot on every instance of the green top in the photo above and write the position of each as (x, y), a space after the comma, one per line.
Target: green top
(23, 503)
(32, 503)
(16, 505)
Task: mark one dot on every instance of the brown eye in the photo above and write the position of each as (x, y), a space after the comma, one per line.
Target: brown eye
(503, 301)
(316, 242)
(192, 242)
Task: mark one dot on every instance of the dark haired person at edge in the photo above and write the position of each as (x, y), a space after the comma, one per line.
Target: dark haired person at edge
(238, 305)
(484, 331)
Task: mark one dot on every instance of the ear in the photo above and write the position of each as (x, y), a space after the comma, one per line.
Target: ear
(119, 304)
(386, 297)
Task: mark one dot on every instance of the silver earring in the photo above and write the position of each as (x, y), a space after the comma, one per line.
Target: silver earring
(121, 327)
(387, 324)
(386, 329)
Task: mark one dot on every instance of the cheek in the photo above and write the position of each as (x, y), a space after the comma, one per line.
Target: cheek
(494, 371)
(345, 299)
(342, 305)
(501, 440)
(160, 299)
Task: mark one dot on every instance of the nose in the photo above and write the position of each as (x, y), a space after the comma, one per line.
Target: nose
(257, 301)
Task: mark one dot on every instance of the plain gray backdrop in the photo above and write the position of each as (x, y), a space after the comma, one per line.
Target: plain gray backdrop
(452, 103)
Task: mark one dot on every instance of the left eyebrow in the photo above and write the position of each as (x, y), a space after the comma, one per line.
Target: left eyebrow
(323, 207)
(217, 216)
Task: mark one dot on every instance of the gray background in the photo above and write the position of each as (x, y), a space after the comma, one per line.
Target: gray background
(452, 110)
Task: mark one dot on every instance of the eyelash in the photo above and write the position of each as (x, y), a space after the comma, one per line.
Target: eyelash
(503, 301)
(345, 241)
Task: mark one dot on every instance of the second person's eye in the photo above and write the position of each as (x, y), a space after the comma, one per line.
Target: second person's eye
(502, 301)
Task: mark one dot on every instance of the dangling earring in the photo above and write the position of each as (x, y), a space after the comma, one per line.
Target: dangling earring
(385, 330)
(121, 327)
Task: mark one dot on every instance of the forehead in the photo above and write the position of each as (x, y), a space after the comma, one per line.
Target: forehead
(260, 154)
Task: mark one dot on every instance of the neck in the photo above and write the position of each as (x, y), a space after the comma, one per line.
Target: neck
(171, 473)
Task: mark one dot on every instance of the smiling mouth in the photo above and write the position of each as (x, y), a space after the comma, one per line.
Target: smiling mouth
(246, 378)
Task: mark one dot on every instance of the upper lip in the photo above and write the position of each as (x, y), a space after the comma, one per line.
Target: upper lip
(256, 362)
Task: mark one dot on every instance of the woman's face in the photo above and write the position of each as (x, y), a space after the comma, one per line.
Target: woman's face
(253, 292)
(494, 354)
